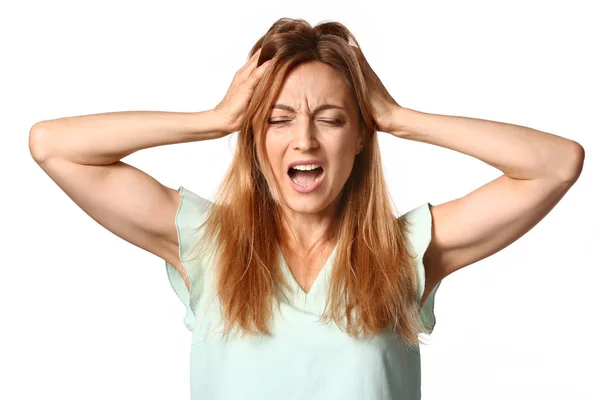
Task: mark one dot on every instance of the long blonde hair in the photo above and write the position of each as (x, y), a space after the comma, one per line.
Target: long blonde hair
(373, 284)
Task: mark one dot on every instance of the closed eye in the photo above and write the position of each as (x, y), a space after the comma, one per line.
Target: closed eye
(335, 122)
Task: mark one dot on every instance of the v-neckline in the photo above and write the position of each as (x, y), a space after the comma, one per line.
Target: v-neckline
(318, 279)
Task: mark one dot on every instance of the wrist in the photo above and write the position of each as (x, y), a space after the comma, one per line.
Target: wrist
(399, 121)
(215, 122)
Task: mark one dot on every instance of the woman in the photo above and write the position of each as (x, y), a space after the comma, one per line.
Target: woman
(298, 280)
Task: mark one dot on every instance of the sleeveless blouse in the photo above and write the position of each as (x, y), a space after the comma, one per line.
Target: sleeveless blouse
(301, 359)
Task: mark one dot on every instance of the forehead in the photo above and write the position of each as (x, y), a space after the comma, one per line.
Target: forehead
(312, 84)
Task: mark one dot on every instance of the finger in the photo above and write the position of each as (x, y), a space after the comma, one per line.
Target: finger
(251, 64)
(258, 72)
(255, 75)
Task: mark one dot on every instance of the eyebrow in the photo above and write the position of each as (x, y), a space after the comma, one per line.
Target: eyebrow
(318, 109)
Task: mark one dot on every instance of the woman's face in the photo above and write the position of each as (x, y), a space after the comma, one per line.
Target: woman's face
(304, 129)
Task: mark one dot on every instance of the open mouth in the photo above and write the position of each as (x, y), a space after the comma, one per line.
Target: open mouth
(305, 178)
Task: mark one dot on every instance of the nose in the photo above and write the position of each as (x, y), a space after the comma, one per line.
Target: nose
(304, 135)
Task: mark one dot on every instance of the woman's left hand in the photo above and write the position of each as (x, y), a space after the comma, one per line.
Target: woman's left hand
(382, 103)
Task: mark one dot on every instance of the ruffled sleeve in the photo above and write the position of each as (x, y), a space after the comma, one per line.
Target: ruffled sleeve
(192, 212)
(419, 225)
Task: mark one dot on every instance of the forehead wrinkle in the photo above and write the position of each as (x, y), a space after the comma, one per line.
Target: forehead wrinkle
(316, 80)
(319, 108)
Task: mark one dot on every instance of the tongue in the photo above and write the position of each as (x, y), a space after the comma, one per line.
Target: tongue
(305, 177)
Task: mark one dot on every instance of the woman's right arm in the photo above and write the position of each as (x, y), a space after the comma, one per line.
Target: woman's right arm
(103, 139)
(82, 156)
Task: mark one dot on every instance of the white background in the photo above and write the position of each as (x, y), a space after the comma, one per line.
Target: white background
(87, 315)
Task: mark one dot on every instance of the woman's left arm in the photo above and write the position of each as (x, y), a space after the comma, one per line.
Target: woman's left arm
(521, 153)
(539, 168)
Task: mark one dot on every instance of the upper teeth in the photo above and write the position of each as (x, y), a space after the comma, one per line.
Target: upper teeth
(306, 167)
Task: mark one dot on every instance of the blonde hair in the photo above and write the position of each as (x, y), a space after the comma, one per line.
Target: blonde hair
(373, 284)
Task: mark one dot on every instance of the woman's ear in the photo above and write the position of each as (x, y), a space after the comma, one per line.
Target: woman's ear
(359, 146)
(360, 143)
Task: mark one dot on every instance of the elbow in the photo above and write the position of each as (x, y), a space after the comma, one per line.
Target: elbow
(575, 157)
(36, 147)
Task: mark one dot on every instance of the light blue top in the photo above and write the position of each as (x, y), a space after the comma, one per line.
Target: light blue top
(303, 359)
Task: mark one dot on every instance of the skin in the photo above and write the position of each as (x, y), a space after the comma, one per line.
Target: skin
(304, 135)
(82, 154)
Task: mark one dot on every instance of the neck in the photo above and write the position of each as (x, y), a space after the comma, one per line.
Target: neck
(308, 233)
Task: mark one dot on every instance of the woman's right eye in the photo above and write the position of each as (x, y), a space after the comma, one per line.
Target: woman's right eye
(271, 121)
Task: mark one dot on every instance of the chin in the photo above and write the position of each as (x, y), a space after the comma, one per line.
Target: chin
(305, 206)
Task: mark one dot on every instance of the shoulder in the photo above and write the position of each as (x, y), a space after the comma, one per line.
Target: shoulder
(192, 212)
(418, 229)
(417, 224)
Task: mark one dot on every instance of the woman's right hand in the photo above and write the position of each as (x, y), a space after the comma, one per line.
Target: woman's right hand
(235, 102)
